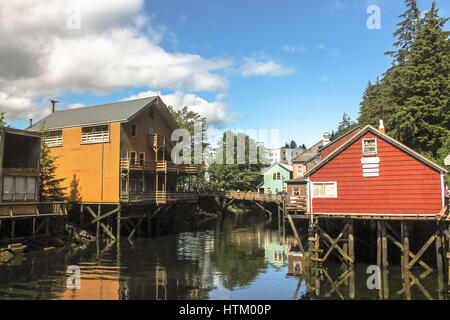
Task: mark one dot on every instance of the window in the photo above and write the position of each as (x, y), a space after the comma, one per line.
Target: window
(274, 176)
(133, 157)
(134, 130)
(141, 158)
(124, 154)
(300, 170)
(132, 185)
(369, 146)
(278, 176)
(54, 139)
(324, 189)
(19, 188)
(96, 134)
(124, 185)
(151, 113)
(296, 191)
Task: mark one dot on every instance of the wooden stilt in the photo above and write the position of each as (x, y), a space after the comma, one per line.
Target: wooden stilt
(405, 259)
(439, 261)
(98, 222)
(13, 227)
(119, 218)
(385, 261)
(34, 228)
(351, 240)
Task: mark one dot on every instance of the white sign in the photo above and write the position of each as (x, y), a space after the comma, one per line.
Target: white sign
(370, 160)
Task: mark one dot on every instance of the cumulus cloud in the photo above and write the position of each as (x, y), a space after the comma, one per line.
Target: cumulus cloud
(255, 67)
(293, 49)
(52, 47)
(215, 112)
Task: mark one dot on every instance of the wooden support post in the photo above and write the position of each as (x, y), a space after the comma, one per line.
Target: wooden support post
(47, 227)
(99, 212)
(379, 257)
(296, 235)
(13, 227)
(119, 218)
(405, 259)
(351, 241)
(279, 221)
(81, 214)
(34, 228)
(439, 260)
(385, 260)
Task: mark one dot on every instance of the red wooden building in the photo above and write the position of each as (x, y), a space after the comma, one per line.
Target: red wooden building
(374, 174)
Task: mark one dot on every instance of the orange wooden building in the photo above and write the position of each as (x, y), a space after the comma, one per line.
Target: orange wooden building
(119, 152)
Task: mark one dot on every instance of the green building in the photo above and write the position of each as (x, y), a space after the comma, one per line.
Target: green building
(275, 178)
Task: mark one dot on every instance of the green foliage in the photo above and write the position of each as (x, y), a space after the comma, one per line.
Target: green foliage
(413, 96)
(50, 187)
(74, 193)
(2, 119)
(344, 126)
(244, 177)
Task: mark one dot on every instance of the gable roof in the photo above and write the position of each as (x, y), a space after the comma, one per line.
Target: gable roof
(309, 153)
(285, 166)
(101, 114)
(384, 136)
(339, 138)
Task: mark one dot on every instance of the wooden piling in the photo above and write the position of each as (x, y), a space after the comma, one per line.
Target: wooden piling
(351, 240)
(119, 216)
(439, 260)
(405, 268)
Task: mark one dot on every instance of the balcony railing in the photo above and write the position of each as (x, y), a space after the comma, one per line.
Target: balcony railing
(159, 197)
(167, 166)
(127, 164)
(56, 141)
(95, 137)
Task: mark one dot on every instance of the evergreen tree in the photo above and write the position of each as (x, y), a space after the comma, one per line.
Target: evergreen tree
(2, 119)
(412, 97)
(293, 144)
(405, 32)
(74, 193)
(304, 146)
(50, 187)
(344, 126)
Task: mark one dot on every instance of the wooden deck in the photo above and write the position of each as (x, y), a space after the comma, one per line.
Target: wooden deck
(160, 197)
(32, 209)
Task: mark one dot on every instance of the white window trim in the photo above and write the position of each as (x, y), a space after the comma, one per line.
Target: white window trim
(323, 182)
(376, 147)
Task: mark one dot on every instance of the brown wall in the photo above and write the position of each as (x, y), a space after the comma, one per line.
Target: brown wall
(86, 162)
(140, 143)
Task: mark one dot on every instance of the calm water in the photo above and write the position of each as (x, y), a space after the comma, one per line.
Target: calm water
(234, 260)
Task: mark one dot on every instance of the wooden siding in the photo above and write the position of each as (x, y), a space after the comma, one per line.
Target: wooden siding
(404, 185)
(85, 160)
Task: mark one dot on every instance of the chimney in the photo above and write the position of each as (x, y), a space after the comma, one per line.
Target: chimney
(53, 104)
(326, 138)
(381, 127)
(31, 122)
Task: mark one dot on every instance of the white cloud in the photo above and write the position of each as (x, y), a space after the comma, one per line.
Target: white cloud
(115, 47)
(253, 67)
(215, 112)
(288, 48)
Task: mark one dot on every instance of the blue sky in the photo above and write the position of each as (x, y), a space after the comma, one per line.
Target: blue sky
(319, 54)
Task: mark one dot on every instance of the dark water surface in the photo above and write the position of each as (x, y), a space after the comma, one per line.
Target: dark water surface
(237, 259)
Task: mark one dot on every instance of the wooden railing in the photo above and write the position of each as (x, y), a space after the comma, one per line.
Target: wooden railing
(55, 141)
(158, 140)
(159, 197)
(167, 166)
(33, 209)
(137, 165)
(95, 137)
(296, 203)
(246, 195)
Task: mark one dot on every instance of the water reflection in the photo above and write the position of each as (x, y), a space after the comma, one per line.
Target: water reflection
(239, 259)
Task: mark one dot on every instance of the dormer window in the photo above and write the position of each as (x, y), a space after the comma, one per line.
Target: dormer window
(300, 170)
(369, 147)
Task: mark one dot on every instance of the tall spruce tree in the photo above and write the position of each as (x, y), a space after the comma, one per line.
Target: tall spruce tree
(49, 186)
(412, 96)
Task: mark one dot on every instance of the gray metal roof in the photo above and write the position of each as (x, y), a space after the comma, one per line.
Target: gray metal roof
(105, 113)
